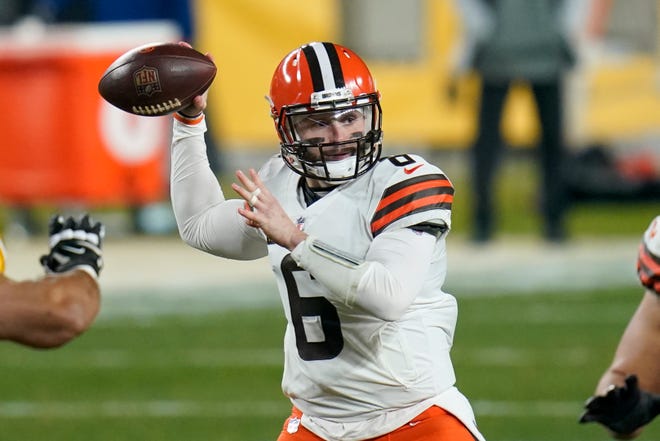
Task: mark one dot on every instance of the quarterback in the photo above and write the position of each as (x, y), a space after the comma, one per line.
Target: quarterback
(357, 246)
(52, 310)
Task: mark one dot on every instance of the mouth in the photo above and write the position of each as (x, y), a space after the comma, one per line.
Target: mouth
(337, 157)
(339, 154)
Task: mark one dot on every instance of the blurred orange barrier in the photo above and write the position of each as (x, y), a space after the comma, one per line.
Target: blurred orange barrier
(62, 143)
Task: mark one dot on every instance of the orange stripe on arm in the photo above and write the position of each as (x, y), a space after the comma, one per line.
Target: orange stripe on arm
(413, 189)
(189, 121)
(647, 259)
(410, 207)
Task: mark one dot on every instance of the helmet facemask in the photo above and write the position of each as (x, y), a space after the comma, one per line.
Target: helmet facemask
(333, 140)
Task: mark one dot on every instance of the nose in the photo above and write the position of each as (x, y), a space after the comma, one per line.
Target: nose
(338, 132)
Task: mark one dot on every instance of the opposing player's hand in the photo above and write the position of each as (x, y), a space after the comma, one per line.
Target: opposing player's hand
(624, 409)
(263, 210)
(74, 244)
(648, 260)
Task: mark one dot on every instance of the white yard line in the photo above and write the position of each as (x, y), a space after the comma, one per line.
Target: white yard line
(230, 409)
(167, 266)
(138, 409)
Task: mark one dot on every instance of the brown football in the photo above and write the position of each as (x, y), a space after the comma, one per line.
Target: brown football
(156, 79)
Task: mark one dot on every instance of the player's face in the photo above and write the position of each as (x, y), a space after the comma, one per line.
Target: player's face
(334, 127)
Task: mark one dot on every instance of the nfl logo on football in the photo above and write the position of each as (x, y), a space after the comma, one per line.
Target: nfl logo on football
(146, 81)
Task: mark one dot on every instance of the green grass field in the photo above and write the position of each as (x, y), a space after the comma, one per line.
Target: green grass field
(201, 371)
(527, 362)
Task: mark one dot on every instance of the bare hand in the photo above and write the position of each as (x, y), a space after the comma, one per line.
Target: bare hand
(198, 104)
(263, 210)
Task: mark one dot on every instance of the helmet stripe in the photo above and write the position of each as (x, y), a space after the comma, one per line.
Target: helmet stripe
(324, 66)
(333, 57)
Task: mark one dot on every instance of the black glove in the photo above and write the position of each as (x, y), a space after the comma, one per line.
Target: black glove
(74, 244)
(623, 409)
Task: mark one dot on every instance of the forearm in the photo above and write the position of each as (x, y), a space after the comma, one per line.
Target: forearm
(385, 283)
(638, 350)
(48, 312)
(194, 187)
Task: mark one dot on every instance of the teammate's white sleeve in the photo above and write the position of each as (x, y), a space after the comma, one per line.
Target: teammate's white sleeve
(385, 283)
(652, 237)
(206, 220)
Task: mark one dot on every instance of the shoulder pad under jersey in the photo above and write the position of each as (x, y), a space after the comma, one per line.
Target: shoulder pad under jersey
(413, 191)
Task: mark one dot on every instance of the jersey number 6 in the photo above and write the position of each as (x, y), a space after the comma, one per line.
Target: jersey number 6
(311, 308)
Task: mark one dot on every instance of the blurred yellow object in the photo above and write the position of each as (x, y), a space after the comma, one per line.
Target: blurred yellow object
(2, 257)
(607, 100)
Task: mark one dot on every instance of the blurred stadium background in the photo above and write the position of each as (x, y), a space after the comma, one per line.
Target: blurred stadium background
(187, 346)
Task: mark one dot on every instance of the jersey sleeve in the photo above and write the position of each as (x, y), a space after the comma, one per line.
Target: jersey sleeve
(414, 192)
(205, 218)
(648, 259)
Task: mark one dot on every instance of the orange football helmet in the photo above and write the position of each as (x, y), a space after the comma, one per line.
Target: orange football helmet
(319, 83)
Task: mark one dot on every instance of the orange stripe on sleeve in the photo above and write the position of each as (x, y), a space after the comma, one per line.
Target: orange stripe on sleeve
(412, 189)
(430, 201)
(189, 121)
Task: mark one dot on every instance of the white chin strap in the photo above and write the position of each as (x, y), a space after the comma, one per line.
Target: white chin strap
(344, 168)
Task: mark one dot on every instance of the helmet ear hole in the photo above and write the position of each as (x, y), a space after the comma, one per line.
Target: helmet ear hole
(323, 77)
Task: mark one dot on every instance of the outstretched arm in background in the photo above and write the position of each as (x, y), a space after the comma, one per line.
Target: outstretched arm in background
(627, 396)
(52, 310)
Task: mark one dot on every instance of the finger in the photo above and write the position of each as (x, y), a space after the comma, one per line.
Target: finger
(249, 215)
(55, 224)
(250, 191)
(69, 223)
(199, 102)
(254, 197)
(247, 182)
(242, 192)
(257, 180)
(85, 223)
(254, 176)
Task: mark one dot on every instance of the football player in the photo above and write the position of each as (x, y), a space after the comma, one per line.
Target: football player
(52, 310)
(628, 394)
(357, 246)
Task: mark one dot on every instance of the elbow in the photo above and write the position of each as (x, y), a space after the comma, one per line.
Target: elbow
(188, 236)
(190, 240)
(389, 307)
(190, 233)
(390, 312)
(385, 297)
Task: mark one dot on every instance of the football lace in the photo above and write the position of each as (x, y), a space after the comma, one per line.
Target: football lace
(157, 109)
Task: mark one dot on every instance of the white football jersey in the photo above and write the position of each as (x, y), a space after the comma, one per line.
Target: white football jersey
(355, 371)
(342, 364)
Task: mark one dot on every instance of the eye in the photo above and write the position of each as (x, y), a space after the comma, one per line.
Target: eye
(349, 118)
